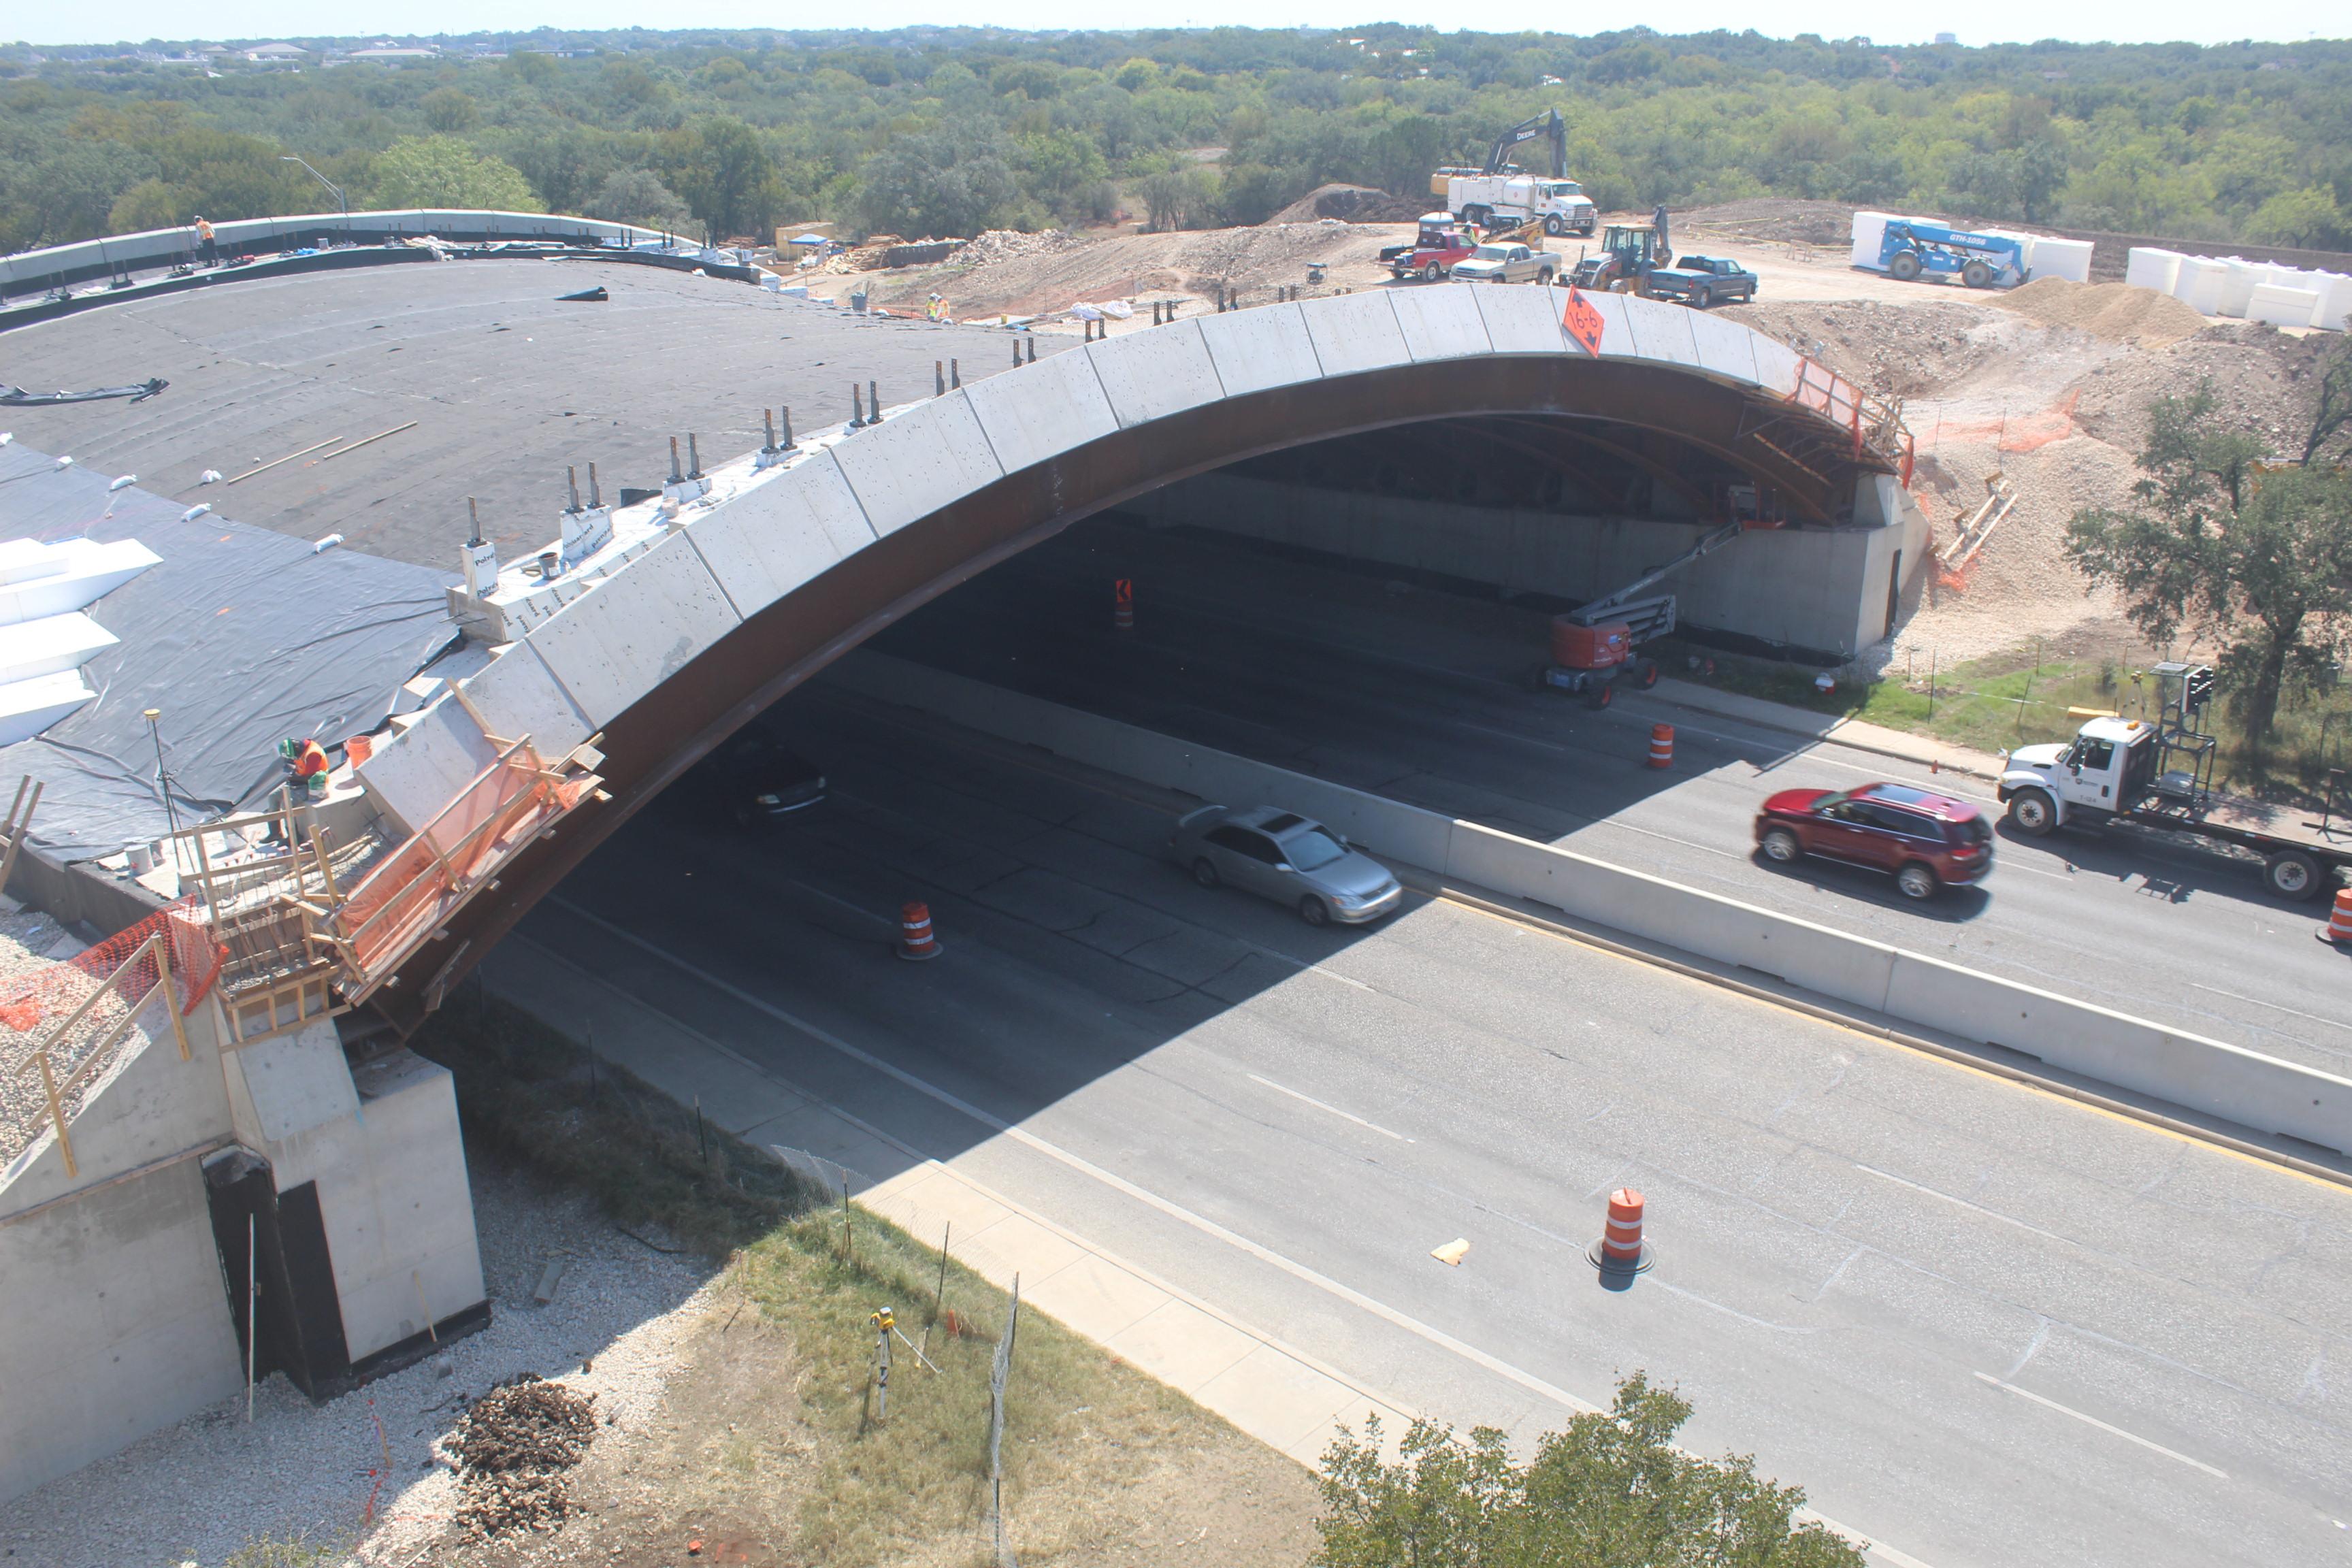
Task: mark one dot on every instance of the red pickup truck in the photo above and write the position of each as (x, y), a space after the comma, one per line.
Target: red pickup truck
(1431, 255)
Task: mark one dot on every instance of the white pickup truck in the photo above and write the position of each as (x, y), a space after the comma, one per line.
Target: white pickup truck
(2120, 769)
(1489, 200)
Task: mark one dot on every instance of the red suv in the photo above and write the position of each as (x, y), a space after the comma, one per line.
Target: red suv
(1926, 840)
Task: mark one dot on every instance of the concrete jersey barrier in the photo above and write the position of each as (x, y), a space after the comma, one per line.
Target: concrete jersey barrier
(2189, 1070)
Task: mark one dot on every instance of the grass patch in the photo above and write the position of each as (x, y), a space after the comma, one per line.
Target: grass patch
(2022, 698)
(1096, 1454)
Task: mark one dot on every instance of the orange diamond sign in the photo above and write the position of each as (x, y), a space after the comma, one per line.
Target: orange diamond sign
(1583, 322)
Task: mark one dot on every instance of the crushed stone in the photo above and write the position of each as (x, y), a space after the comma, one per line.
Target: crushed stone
(513, 1447)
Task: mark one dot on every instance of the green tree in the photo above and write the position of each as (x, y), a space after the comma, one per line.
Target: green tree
(448, 111)
(1611, 1491)
(444, 171)
(638, 197)
(2256, 557)
(2306, 216)
(723, 170)
(937, 182)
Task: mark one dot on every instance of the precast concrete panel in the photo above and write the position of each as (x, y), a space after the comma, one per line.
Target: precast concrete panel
(1524, 320)
(634, 629)
(780, 532)
(412, 776)
(912, 465)
(1663, 331)
(1444, 322)
(1355, 333)
(1725, 348)
(1042, 410)
(521, 699)
(1776, 364)
(1151, 374)
(1619, 340)
(1258, 350)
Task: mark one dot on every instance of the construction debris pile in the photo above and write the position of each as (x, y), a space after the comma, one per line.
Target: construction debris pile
(1009, 244)
(514, 1451)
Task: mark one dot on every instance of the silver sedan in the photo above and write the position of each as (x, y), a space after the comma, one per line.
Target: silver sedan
(1288, 858)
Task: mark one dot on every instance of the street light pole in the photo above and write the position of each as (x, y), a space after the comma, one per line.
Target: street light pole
(332, 189)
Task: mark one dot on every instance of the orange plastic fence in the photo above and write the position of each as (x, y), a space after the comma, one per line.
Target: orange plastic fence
(196, 961)
(490, 818)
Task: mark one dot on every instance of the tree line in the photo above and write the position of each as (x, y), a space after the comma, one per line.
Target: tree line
(941, 132)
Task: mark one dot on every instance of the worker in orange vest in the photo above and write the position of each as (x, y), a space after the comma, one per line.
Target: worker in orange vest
(206, 251)
(304, 756)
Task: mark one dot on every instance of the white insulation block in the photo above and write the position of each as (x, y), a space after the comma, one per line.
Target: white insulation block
(2282, 307)
(1869, 234)
(2200, 284)
(2068, 258)
(2334, 312)
(2239, 282)
(2148, 267)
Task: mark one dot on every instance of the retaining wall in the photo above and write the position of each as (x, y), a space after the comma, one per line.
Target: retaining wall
(2189, 1070)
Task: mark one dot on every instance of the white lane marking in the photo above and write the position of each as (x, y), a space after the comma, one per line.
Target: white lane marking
(1209, 1228)
(2259, 1002)
(1320, 1105)
(1979, 1208)
(2094, 1421)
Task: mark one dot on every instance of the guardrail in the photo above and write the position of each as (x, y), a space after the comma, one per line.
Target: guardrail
(138, 969)
(2135, 1053)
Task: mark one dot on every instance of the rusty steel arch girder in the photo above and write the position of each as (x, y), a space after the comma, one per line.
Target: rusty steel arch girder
(777, 648)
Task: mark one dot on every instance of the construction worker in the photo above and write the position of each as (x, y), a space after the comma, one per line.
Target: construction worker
(303, 756)
(207, 252)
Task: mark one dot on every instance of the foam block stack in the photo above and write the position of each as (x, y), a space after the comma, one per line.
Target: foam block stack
(2250, 291)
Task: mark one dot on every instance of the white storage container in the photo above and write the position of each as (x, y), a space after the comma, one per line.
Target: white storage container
(2239, 282)
(1869, 234)
(2335, 311)
(2148, 267)
(2282, 307)
(2198, 285)
(2055, 257)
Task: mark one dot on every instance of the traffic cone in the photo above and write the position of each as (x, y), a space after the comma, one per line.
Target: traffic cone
(1662, 745)
(916, 940)
(2339, 929)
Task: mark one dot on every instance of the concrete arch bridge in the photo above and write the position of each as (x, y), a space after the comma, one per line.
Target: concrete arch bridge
(654, 631)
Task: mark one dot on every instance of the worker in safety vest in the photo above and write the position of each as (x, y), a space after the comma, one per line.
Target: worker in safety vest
(304, 756)
(206, 251)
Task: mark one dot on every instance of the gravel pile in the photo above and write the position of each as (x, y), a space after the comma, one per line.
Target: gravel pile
(1355, 203)
(1909, 350)
(513, 1450)
(2117, 311)
(1011, 245)
(2265, 382)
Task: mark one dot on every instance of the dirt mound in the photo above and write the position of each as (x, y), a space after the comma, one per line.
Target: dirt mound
(1353, 204)
(2265, 383)
(1032, 274)
(1909, 350)
(514, 1451)
(2117, 311)
(1773, 222)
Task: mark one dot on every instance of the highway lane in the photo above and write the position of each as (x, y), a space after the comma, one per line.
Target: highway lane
(1420, 697)
(1853, 1238)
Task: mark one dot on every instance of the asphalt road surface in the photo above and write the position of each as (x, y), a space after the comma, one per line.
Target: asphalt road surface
(1979, 1324)
(1421, 697)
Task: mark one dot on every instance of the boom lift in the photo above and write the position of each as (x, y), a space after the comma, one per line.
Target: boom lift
(1593, 645)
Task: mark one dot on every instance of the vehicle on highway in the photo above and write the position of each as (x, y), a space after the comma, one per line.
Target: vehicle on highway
(1288, 858)
(752, 777)
(1505, 264)
(1927, 841)
(1439, 243)
(1702, 281)
(2161, 775)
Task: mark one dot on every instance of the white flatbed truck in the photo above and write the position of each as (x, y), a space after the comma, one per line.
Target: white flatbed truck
(2159, 775)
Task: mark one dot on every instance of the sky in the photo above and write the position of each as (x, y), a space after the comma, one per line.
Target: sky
(1974, 22)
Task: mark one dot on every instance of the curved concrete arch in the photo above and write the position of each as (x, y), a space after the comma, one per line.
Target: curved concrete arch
(744, 593)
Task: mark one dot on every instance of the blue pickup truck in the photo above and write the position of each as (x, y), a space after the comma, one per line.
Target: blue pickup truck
(1702, 281)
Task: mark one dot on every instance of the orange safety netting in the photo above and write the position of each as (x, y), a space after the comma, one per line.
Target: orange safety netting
(195, 961)
(491, 818)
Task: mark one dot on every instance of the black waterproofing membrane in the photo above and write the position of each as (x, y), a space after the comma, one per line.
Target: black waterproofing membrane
(241, 636)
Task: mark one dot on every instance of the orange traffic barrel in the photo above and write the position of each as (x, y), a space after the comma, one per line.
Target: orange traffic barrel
(915, 938)
(1662, 745)
(1123, 603)
(1621, 1244)
(2339, 928)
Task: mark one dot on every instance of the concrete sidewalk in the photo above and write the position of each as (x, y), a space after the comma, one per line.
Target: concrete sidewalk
(1278, 1393)
(1852, 733)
